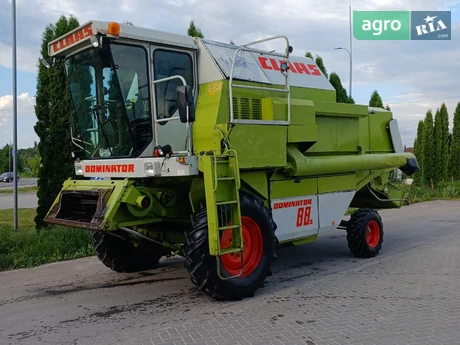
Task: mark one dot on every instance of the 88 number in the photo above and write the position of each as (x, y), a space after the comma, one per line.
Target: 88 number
(304, 216)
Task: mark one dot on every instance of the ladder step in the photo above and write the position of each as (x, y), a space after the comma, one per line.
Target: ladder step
(231, 202)
(229, 227)
(229, 251)
(225, 178)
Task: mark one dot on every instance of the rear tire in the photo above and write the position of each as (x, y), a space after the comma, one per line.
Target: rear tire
(123, 256)
(260, 242)
(365, 233)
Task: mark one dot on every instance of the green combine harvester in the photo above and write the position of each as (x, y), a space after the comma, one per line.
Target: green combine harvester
(216, 152)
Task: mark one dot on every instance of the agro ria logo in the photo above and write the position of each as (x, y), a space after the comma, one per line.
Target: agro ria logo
(431, 25)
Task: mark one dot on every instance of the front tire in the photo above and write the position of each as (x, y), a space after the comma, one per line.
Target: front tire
(123, 256)
(365, 233)
(259, 252)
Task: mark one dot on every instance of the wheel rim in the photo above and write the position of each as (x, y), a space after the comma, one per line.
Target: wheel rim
(253, 249)
(373, 234)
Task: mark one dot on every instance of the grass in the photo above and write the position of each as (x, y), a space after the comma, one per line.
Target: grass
(443, 191)
(27, 248)
(20, 190)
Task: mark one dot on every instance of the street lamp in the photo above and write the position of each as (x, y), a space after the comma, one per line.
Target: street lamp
(351, 67)
(350, 52)
(15, 116)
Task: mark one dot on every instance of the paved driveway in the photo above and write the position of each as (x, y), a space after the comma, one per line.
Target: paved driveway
(317, 295)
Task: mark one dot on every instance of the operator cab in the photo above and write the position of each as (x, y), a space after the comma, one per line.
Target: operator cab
(133, 90)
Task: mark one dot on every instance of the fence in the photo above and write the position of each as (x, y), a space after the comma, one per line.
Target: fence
(27, 204)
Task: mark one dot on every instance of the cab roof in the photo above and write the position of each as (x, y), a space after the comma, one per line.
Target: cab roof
(83, 33)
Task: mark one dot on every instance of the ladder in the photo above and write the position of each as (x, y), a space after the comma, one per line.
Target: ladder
(222, 184)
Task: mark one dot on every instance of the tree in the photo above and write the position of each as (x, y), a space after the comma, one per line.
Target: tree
(194, 31)
(418, 148)
(428, 149)
(34, 165)
(334, 79)
(341, 93)
(454, 166)
(6, 159)
(444, 148)
(320, 64)
(52, 109)
(437, 147)
(388, 108)
(232, 43)
(375, 100)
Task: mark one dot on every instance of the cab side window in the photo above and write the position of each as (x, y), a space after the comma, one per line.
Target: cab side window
(168, 63)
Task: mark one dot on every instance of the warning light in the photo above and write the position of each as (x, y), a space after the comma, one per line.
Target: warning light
(113, 29)
(181, 160)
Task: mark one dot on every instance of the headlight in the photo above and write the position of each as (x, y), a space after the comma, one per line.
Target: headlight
(78, 169)
(148, 169)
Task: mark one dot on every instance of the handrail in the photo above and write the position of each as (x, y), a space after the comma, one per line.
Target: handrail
(155, 117)
(286, 76)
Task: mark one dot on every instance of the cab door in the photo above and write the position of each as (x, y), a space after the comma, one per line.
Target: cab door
(168, 62)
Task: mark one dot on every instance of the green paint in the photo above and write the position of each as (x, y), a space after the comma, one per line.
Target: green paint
(305, 240)
(291, 188)
(336, 183)
(255, 182)
(259, 146)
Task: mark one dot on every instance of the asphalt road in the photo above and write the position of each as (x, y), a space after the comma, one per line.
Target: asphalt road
(25, 200)
(23, 182)
(318, 294)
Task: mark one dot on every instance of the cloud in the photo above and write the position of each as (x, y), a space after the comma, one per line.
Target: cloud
(402, 71)
(25, 105)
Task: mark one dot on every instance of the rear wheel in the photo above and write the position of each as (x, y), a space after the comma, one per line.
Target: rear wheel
(259, 252)
(122, 255)
(365, 233)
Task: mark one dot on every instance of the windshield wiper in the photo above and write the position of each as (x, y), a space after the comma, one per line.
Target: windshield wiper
(101, 127)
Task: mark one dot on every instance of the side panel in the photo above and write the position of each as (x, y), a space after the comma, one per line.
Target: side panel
(396, 136)
(254, 67)
(332, 208)
(295, 217)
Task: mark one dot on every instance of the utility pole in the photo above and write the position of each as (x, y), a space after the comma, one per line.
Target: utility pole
(15, 118)
(351, 45)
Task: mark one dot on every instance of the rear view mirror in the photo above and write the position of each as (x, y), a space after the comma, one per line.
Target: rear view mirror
(185, 103)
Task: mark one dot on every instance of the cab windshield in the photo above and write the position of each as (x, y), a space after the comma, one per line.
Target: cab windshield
(110, 92)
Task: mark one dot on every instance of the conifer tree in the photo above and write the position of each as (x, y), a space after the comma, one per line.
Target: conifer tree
(437, 148)
(53, 108)
(194, 31)
(454, 166)
(444, 160)
(375, 100)
(428, 149)
(418, 149)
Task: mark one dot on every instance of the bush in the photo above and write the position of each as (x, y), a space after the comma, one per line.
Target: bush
(443, 191)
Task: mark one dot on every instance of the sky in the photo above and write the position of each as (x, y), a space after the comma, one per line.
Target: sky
(410, 76)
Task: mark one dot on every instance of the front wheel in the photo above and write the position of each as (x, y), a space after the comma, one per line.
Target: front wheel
(120, 255)
(259, 252)
(365, 233)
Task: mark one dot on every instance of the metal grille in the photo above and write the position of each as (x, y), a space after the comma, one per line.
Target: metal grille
(246, 108)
